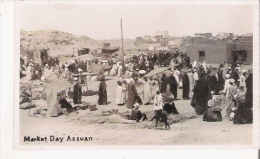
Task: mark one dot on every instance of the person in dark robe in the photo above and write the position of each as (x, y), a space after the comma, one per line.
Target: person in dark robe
(188, 61)
(201, 71)
(66, 105)
(164, 82)
(244, 113)
(249, 91)
(236, 76)
(185, 86)
(77, 92)
(221, 81)
(173, 85)
(199, 98)
(137, 114)
(102, 92)
(213, 82)
(132, 94)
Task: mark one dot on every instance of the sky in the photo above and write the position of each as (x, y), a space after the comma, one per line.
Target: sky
(102, 20)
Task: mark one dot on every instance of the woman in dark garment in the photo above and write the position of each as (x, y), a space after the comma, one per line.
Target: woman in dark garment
(186, 86)
(200, 96)
(102, 92)
(221, 81)
(164, 82)
(77, 92)
(244, 113)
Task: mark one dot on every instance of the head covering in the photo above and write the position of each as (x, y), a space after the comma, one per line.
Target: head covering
(231, 81)
(211, 103)
(227, 76)
(80, 70)
(31, 60)
(75, 79)
(170, 73)
(237, 68)
(136, 106)
(131, 80)
(229, 67)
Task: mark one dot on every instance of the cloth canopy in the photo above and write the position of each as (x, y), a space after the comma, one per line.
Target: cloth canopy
(156, 71)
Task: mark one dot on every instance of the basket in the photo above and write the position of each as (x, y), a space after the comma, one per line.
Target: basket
(92, 106)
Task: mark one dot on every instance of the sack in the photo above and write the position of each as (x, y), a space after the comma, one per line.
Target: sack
(27, 105)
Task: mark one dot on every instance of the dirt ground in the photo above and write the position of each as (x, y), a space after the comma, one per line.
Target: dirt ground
(188, 132)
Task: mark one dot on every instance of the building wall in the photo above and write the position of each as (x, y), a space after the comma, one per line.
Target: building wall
(214, 53)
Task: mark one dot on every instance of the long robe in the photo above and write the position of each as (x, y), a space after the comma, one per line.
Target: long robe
(132, 94)
(244, 115)
(231, 91)
(185, 86)
(190, 80)
(173, 86)
(221, 82)
(29, 73)
(249, 91)
(164, 82)
(147, 95)
(213, 84)
(77, 94)
(120, 95)
(199, 99)
(102, 99)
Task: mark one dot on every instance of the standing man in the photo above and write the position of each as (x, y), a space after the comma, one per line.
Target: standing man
(190, 75)
(77, 92)
(132, 93)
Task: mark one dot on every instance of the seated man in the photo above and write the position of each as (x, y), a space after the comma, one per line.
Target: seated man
(137, 114)
(214, 112)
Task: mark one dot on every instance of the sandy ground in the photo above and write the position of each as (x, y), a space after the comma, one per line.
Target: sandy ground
(189, 132)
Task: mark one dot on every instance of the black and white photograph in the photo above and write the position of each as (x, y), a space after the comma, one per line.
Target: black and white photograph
(135, 74)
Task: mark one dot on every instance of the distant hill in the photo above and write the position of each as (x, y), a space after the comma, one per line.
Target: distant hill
(58, 42)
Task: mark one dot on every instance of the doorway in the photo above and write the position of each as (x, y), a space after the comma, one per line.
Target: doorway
(201, 56)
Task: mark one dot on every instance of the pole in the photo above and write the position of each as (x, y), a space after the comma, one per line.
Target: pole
(123, 61)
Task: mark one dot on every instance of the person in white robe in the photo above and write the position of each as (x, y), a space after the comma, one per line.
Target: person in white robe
(120, 68)
(176, 74)
(190, 75)
(226, 83)
(158, 104)
(120, 94)
(204, 66)
(194, 64)
(147, 95)
(242, 84)
(29, 72)
(195, 75)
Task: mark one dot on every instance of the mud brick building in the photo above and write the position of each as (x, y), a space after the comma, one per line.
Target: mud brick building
(218, 52)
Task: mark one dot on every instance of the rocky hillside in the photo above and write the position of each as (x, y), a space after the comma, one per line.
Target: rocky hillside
(59, 43)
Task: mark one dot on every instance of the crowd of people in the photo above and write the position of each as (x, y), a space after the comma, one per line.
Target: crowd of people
(200, 83)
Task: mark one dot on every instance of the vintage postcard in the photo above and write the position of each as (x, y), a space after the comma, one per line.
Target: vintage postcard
(155, 75)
